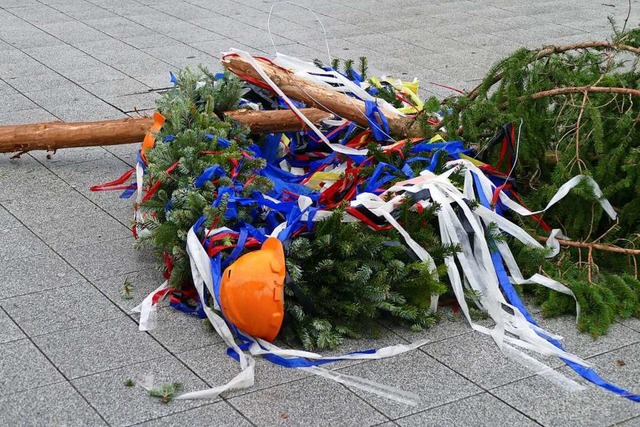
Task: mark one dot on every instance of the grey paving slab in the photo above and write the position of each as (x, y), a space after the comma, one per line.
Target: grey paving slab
(93, 74)
(482, 410)
(98, 347)
(308, 402)
(19, 242)
(483, 363)
(144, 282)
(30, 274)
(116, 257)
(416, 372)
(585, 345)
(551, 405)
(116, 87)
(9, 331)
(72, 32)
(40, 14)
(24, 367)
(98, 228)
(53, 310)
(37, 82)
(180, 332)
(57, 404)
(7, 221)
(55, 205)
(214, 365)
(121, 405)
(218, 414)
(134, 102)
(620, 366)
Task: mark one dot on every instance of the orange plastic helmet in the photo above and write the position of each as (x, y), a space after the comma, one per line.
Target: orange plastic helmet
(252, 291)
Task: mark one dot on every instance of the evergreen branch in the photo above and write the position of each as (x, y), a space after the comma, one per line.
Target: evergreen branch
(574, 89)
(554, 50)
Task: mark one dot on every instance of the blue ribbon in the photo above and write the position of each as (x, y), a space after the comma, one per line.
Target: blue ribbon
(377, 121)
(512, 296)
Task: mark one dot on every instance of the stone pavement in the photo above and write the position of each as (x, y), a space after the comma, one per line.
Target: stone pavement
(67, 340)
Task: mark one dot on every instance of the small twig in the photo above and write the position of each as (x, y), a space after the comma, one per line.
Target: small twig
(626, 20)
(597, 246)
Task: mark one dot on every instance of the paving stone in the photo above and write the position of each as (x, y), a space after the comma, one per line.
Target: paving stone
(7, 221)
(37, 407)
(56, 309)
(19, 242)
(73, 32)
(98, 227)
(117, 27)
(87, 110)
(40, 14)
(26, 36)
(120, 405)
(413, 372)
(116, 257)
(117, 87)
(9, 331)
(93, 74)
(16, 101)
(483, 363)
(477, 411)
(584, 345)
(308, 402)
(60, 203)
(144, 282)
(552, 405)
(218, 414)
(134, 102)
(620, 366)
(148, 41)
(37, 82)
(214, 365)
(60, 95)
(450, 325)
(24, 367)
(180, 332)
(28, 275)
(98, 347)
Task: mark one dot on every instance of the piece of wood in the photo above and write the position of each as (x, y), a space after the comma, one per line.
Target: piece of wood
(597, 246)
(320, 97)
(56, 135)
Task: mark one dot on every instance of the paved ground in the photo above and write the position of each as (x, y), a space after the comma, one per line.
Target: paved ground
(67, 341)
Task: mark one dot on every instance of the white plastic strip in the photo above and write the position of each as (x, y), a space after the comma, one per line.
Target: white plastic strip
(335, 147)
(148, 309)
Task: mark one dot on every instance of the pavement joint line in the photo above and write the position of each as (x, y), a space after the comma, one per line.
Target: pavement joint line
(188, 410)
(97, 59)
(151, 29)
(57, 369)
(482, 387)
(128, 315)
(20, 92)
(57, 72)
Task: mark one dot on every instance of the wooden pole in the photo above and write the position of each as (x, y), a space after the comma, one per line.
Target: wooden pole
(56, 135)
(320, 97)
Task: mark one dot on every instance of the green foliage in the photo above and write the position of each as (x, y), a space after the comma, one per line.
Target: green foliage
(353, 275)
(126, 291)
(166, 392)
(129, 383)
(189, 140)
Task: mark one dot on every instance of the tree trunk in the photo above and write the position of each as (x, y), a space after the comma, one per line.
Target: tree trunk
(56, 135)
(320, 97)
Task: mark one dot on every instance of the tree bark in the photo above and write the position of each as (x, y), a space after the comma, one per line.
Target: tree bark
(56, 135)
(320, 97)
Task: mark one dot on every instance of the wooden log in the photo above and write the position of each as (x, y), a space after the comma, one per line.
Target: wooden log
(56, 135)
(320, 97)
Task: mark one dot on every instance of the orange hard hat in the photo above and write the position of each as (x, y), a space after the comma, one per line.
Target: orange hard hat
(252, 291)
